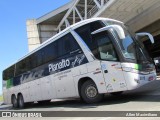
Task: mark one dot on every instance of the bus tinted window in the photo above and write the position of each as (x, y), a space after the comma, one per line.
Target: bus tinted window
(100, 43)
(85, 33)
(39, 58)
(86, 30)
(28, 63)
(105, 47)
(20, 67)
(33, 61)
(56, 49)
(67, 44)
(50, 52)
(8, 73)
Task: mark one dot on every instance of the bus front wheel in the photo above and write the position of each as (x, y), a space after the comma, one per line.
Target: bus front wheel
(89, 92)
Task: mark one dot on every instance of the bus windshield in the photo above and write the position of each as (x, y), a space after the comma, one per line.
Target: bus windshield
(131, 49)
(128, 47)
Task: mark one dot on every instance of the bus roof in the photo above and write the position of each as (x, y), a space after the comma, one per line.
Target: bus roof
(52, 39)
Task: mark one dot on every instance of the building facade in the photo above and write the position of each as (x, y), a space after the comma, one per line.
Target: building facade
(139, 15)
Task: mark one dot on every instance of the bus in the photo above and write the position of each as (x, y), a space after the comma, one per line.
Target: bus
(86, 60)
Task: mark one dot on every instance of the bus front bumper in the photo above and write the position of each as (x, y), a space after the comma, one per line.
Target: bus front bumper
(134, 80)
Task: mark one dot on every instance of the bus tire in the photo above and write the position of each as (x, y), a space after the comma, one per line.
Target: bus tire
(14, 101)
(89, 92)
(117, 93)
(20, 101)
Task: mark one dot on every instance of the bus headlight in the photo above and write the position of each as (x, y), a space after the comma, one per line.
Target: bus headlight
(126, 69)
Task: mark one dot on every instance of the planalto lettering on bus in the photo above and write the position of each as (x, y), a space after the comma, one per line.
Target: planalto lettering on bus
(91, 58)
(58, 66)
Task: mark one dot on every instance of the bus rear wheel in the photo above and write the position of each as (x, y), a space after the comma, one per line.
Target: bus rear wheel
(89, 92)
(14, 101)
(20, 101)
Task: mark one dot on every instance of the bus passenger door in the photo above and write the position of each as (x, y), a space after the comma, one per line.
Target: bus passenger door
(110, 62)
(113, 76)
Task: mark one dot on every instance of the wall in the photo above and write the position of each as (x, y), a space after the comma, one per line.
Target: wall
(46, 32)
(32, 34)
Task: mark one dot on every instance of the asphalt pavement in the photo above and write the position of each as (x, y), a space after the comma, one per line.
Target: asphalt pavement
(145, 98)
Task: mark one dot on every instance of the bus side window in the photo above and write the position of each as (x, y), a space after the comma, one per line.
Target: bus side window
(28, 63)
(105, 47)
(39, 58)
(85, 33)
(9, 73)
(33, 61)
(103, 51)
(50, 52)
(67, 44)
(20, 67)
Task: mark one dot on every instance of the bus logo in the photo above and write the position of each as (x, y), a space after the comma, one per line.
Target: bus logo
(59, 66)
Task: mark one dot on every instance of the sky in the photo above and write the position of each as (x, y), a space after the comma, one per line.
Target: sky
(13, 35)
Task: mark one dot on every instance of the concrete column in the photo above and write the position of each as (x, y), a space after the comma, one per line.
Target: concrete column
(46, 32)
(32, 34)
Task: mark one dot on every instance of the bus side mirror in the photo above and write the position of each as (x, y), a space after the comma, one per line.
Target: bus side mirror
(145, 34)
(117, 28)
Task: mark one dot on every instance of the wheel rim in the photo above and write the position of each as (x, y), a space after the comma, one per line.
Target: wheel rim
(91, 91)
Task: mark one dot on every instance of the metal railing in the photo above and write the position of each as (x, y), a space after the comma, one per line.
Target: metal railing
(95, 9)
(92, 12)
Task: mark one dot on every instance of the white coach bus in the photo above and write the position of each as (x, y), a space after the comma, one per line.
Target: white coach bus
(86, 60)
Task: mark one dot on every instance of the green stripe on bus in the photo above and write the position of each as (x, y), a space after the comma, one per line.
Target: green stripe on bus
(9, 83)
(138, 67)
